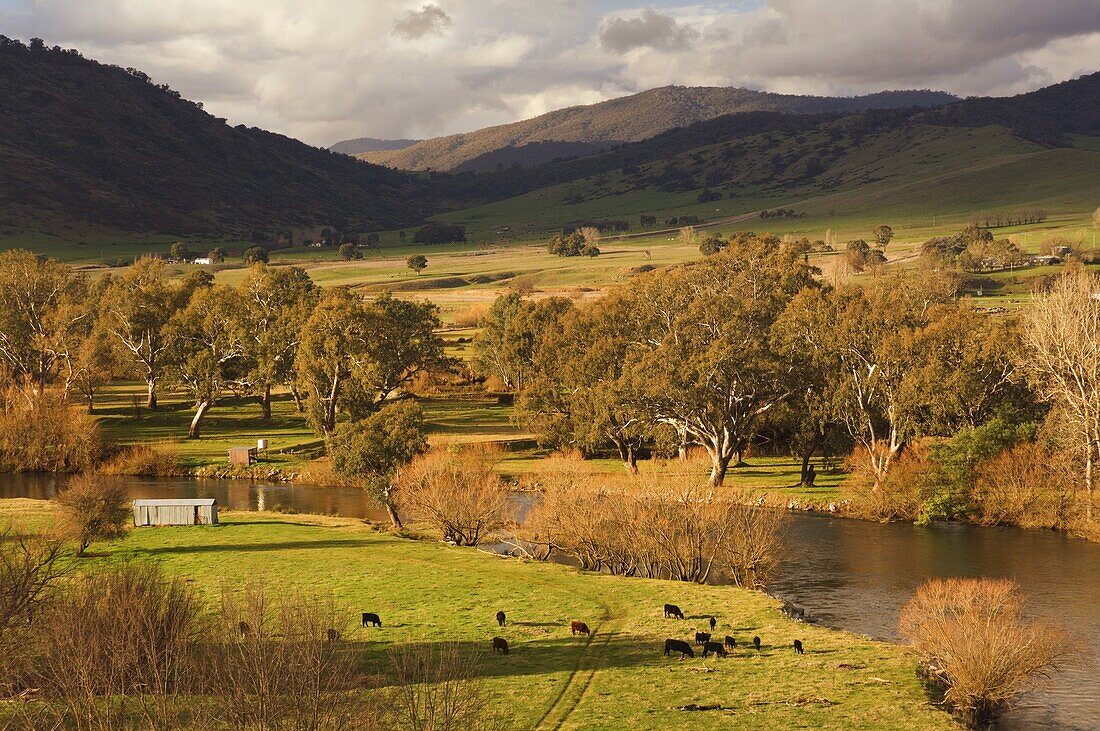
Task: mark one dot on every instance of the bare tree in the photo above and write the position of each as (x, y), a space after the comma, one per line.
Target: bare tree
(437, 688)
(1062, 334)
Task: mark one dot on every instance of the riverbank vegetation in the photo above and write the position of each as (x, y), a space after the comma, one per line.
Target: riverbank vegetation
(292, 578)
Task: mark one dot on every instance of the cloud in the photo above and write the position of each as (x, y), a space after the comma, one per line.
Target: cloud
(651, 30)
(326, 70)
(429, 20)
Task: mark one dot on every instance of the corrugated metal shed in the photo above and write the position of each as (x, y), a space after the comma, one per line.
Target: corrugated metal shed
(176, 511)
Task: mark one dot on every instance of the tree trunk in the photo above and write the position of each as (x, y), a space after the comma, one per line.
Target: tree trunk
(391, 510)
(1089, 461)
(151, 399)
(719, 467)
(265, 403)
(200, 412)
(681, 431)
(627, 454)
(297, 399)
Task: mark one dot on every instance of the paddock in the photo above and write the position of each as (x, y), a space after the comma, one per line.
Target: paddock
(176, 511)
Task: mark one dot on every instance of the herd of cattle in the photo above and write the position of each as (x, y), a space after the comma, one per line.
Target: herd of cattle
(719, 649)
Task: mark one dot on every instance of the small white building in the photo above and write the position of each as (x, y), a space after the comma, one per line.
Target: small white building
(204, 260)
(176, 511)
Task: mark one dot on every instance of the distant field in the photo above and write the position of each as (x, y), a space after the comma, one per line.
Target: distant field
(426, 592)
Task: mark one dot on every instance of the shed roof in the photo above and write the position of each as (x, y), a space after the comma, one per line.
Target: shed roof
(178, 501)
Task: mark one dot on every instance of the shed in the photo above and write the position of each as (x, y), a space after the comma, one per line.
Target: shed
(176, 511)
(241, 455)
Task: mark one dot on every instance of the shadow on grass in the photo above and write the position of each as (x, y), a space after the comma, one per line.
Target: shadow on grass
(254, 547)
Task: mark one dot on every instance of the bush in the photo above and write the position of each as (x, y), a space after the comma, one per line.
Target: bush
(44, 433)
(973, 637)
(94, 509)
(458, 492)
(142, 460)
(437, 688)
(1028, 486)
(350, 252)
(899, 496)
(439, 233)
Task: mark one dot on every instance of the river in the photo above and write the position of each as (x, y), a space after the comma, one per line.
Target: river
(848, 574)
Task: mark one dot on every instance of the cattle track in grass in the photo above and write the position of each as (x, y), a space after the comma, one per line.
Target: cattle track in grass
(591, 659)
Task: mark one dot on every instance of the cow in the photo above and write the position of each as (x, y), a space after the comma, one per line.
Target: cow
(671, 610)
(576, 627)
(756, 642)
(501, 618)
(715, 647)
(244, 629)
(500, 645)
(702, 637)
(731, 642)
(370, 618)
(713, 623)
(679, 646)
(798, 647)
(332, 635)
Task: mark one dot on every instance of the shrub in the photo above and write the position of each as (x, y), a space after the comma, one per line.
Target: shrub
(1028, 486)
(471, 315)
(899, 496)
(437, 688)
(458, 492)
(350, 252)
(143, 460)
(44, 433)
(974, 639)
(94, 509)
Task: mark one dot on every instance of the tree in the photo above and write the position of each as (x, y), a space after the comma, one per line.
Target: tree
(712, 245)
(209, 358)
(507, 340)
(882, 235)
(94, 509)
(439, 233)
(180, 252)
(44, 308)
(218, 254)
(567, 244)
(135, 310)
(324, 361)
(372, 450)
(1062, 336)
(256, 255)
(94, 365)
(705, 361)
(276, 303)
(373, 242)
(458, 492)
(349, 252)
(417, 262)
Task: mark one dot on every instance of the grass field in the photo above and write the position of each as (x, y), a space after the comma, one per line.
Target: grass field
(426, 591)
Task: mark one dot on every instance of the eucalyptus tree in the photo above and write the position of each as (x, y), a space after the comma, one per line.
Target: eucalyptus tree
(508, 339)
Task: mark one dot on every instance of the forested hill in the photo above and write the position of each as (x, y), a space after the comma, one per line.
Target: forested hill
(86, 143)
(626, 119)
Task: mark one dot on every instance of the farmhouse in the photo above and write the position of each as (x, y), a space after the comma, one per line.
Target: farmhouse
(176, 511)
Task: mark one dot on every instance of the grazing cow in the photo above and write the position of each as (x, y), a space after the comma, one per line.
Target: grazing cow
(500, 645)
(715, 647)
(244, 628)
(713, 623)
(679, 646)
(370, 618)
(756, 642)
(501, 618)
(798, 647)
(576, 627)
(731, 642)
(333, 635)
(702, 637)
(671, 610)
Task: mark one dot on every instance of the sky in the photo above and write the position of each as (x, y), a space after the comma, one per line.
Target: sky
(327, 70)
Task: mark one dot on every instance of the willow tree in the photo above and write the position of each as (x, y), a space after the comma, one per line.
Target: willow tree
(1062, 335)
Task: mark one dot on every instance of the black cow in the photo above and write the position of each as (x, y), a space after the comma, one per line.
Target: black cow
(715, 647)
(370, 618)
(756, 642)
(731, 642)
(713, 623)
(500, 645)
(671, 610)
(702, 637)
(798, 647)
(679, 646)
(501, 618)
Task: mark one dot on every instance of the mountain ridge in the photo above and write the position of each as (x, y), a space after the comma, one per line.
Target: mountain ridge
(625, 119)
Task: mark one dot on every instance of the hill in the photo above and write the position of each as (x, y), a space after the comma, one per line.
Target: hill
(626, 119)
(370, 144)
(88, 145)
